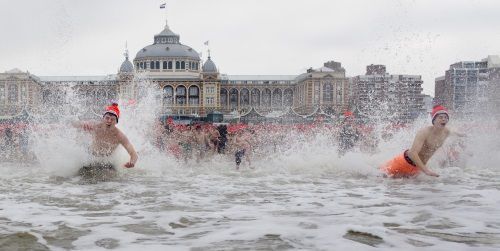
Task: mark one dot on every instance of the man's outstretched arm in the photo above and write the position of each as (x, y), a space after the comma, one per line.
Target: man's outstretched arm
(130, 149)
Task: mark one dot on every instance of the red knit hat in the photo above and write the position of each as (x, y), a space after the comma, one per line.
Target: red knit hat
(438, 109)
(114, 110)
(348, 114)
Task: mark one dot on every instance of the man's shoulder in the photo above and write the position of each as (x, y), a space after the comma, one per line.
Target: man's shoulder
(425, 131)
(117, 131)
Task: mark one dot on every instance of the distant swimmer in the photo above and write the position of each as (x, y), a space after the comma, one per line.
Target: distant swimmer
(242, 146)
(105, 139)
(349, 134)
(426, 142)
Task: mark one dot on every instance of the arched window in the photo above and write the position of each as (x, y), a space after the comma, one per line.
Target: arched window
(112, 95)
(157, 65)
(101, 97)
(152, 65)
(2, 94)
(194, 95)
(277, 98)
(46, 96)
(165, 65)
(233, 98)
(168, 95)
(328, 93)
(244, 97)
(180, 95)
(223, 97)
(339, 94)
(255, 97)
(24, 93)
(288, 98)
(141, 92)
(266, 98)
(60, 97)
(170, 65)
(89, 98)
(183, 65)
(12, 93)
(177, 65)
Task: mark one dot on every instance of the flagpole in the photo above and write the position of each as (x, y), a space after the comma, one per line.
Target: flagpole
(163, 6)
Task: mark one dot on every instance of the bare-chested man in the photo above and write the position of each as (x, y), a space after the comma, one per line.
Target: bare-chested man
(214, 137)
(105, 139)
(201, 142)
(425, 144)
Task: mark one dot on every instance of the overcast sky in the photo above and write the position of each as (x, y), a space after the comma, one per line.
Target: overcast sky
(251, 37)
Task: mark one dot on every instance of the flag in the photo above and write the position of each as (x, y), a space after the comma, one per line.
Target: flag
(206, 43)
(162, 6)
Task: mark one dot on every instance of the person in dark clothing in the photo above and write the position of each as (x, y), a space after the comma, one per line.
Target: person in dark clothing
(348, 135)
(221, 146)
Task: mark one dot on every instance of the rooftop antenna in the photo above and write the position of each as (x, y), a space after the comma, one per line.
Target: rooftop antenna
(208, 48)
(126, 51)
(164, 6)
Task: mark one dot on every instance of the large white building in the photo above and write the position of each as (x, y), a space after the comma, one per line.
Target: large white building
(188, 86)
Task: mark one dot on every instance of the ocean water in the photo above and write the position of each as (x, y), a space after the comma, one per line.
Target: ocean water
(304, 197)
(300, 195)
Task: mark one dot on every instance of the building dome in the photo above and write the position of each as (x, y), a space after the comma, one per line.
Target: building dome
(166, 44)
(209, 66)
(127, 66)
(167, 50)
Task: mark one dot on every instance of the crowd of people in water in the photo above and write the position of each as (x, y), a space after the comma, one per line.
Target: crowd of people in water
(14, 142)
(200, 141)
(243, 143)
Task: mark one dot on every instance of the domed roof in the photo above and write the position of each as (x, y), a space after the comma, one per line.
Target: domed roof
(167, 50)
(167, 32)
(209, 66)
(166, 44)
(127, 66)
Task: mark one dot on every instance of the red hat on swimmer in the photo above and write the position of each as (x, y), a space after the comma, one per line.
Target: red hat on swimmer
(438, 109)
(113, 110)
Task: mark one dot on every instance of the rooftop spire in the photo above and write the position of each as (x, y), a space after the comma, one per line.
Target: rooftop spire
(126, 51)
(163, 6)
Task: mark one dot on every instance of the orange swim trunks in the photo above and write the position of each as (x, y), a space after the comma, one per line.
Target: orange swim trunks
(401, 166)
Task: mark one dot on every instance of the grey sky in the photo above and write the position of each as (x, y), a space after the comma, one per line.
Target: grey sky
(87, 37)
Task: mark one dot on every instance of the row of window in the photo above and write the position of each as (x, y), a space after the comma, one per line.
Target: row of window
(210, 90)
(166, 40)
(255, 99)
(168, 91)
(11, 93)
(258, 82)
(167, 65)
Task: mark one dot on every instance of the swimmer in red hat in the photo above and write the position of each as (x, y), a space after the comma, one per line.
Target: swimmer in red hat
(105, 139)
(414, 160)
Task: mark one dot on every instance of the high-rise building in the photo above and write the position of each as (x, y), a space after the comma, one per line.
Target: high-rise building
(399, 97)
(470, 86)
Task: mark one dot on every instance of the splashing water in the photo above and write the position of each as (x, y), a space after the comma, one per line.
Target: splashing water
(301, 193)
